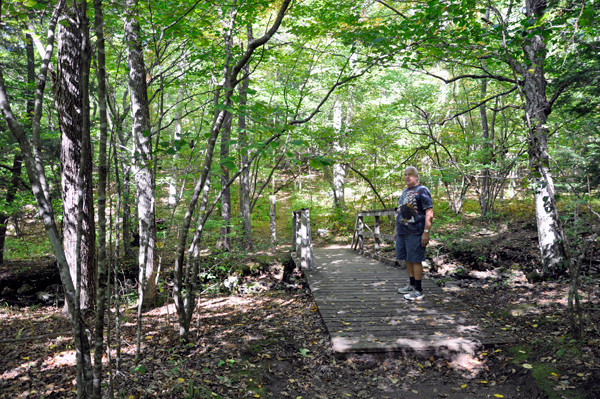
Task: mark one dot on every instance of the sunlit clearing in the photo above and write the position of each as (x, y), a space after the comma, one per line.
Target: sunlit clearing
(4, 314)
(163, 310)
(467, 363)
(240, 303)
(62, 359)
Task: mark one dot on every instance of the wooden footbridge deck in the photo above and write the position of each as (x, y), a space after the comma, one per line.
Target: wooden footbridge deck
(358, 299)
(359, 302)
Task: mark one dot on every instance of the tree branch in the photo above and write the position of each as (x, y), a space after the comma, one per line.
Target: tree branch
(391, 8)
(467, 76)
(367, 180)
(253, 45)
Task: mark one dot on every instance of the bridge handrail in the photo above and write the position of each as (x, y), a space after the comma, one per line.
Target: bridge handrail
(360, 233)
(302, 238)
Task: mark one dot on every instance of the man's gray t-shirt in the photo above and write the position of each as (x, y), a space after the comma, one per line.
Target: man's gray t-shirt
(410, 214)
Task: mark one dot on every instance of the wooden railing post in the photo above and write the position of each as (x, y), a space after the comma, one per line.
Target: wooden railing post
(298, 233)
(361, 228)
(376, 234)
(311, 261)
(294, 231)
(354, 238)
(307, 252)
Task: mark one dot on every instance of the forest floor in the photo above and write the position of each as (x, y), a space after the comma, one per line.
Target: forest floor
(267, 340)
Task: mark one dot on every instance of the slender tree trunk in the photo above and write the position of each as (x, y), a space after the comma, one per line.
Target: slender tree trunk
(126, 206)
(72, 104)
(339, 172)
(116, 121)
(245, 180)
(101, 281)
(11, 193)
(484, 196)
(142, 169)
(223, 242)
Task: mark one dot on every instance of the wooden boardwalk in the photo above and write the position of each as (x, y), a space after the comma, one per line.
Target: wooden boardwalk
(358, 300)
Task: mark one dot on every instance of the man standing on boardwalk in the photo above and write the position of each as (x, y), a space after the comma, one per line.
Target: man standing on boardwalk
(413, 222)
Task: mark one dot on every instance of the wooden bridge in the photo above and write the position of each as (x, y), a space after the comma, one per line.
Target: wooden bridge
(358, 299)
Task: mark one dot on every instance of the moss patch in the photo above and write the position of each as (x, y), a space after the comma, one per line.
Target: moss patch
(546, 375)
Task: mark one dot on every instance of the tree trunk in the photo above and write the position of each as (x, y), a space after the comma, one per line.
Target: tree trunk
(550, 234)
(223, 242)
(245, 180)
(485, 192)
(339, 172)
(35, 171)
(142, 169)
(11, 193)
(70, 96)
(101, 282)
(126, 205)
(117, 129)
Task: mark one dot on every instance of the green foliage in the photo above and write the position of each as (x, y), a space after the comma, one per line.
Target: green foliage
(26, 248)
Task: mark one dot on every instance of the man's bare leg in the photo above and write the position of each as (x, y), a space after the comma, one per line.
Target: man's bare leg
(415, 270)
(410, 269)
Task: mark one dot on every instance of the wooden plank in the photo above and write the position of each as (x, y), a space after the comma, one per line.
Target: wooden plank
(388, 237)
(379, 212)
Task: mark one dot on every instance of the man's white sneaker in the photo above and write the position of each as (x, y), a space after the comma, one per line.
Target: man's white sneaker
(414, 295)
(406, 290)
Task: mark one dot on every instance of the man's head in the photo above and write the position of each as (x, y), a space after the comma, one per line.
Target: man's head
(411, 176)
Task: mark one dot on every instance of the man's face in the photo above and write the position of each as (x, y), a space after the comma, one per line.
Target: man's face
(410, 179)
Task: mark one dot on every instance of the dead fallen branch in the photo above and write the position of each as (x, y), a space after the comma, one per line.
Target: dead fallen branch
(7, 341)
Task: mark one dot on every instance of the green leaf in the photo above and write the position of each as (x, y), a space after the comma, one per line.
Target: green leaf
(304, 352)
(140, 369)
(229, 165)
(314, 164)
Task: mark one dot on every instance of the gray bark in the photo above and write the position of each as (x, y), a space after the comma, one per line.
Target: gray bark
(142, 169)
(245, 211)
(339, 172)
(101, 281)
(485, 191)
(39, 189)
(550, 233)
(72, 104)
(223, 242)
(116, 121)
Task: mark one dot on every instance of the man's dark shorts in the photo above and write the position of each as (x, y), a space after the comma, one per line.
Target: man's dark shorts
(408, 248)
